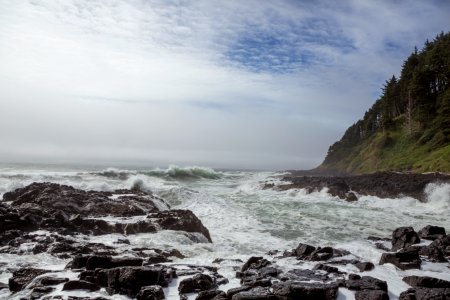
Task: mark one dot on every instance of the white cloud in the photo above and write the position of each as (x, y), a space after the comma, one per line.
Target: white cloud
(153, 81)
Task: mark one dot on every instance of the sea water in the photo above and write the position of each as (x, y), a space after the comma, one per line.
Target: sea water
(243, 218)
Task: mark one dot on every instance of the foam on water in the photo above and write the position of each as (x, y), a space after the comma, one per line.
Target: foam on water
(244, 218)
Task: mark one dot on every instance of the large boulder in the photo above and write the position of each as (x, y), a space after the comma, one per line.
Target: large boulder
(356, 282)
(257, 293)
(80, 285)
(426, 282)
(200, 282)
(425, 294)
(71, 201)
(23, 277)
(130, 280)
(179, 219)
(152, 292)
(402, 260)
(371, 295)
(404, 237)
(430, 232)
(303, 290)
(92, 262)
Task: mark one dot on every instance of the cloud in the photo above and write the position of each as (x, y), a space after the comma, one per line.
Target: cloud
(234, 84)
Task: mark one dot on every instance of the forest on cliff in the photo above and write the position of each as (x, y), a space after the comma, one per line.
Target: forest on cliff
(408, 127)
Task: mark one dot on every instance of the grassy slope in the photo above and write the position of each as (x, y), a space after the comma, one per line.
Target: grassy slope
(394, 150)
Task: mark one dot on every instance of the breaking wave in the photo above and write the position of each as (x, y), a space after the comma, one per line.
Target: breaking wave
(177, 172)
(115, 173)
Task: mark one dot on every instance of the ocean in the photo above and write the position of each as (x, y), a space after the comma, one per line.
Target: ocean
(243, 218)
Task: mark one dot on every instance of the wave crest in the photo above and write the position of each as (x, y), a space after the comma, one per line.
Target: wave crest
(177, 172)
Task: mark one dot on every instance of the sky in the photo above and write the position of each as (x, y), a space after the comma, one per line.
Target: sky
(225, 84)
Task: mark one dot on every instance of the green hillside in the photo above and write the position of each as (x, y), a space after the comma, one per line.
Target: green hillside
(408, 127)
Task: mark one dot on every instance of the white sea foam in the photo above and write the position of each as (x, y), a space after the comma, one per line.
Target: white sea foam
(244, 219)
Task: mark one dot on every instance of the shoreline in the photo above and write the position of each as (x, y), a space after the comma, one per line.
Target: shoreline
(49, 224)
(349, 187)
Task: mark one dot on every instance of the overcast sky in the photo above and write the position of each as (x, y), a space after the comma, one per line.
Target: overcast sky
(237, 84)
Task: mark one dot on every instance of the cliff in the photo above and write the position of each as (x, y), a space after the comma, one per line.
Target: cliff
(408, 127)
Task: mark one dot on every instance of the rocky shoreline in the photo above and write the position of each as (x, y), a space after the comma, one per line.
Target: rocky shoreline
(348, 187)
(47, 218)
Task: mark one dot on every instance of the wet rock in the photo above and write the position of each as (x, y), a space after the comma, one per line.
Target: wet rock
(380, 184)
(365, 266)
(430, 232)
(371, 295)
(255, 262)
(442, 244)
(179, 219)
(92, 262)
(3, 286)
(200, 282)
(236, 290)
(99, 262)
(130, 280)
(381, 246)
(366, 283)
(257, 293)
(326, 268)
(49, 280)
(427, 282)
(80, 285)
(324, 253)
(304, 275)
(425, 294)
(304, 250)
(211, 294)
(350, 197)
(402, 260)
(71, 201)
(40, 291)
(23, 277)
(433, 253)
(403, 237)
(153, 292)
(303, 290)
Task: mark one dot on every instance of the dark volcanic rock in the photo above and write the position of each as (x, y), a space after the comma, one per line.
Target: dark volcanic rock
(130, 280)
(302, 290)
(426, 282)
(22, 277)
(442, 244)
(255, 262)
(49, 280)
(365, 266)
(80, 285)
(380, 184)
(105, 262)
(153, 292)
(324, 253)
(304, 250)
(403, 237)
(71, 201)
(425, 294)
(371, 295)
(366, 283)
(40, 291)
(68, 211)
(211, 294)
(200, 282)
(257, 293)
(179, 219)
(402, 260)
(430, 232)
